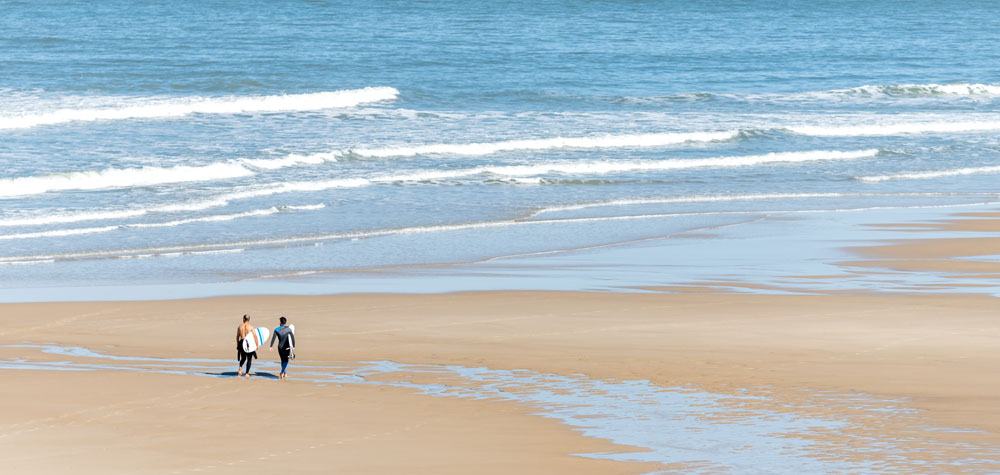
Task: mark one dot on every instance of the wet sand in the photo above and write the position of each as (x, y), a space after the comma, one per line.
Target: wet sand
(934, 354)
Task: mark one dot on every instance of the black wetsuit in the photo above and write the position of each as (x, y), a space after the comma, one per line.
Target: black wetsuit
(286, 341)
(244, 356)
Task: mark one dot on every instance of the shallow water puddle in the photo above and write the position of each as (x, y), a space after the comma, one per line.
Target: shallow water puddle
(745, 432)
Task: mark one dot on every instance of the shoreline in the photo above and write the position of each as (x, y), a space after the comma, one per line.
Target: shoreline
(913, 370)
(839, 259)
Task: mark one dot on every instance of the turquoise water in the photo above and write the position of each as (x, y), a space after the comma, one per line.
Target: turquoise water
(170, 143)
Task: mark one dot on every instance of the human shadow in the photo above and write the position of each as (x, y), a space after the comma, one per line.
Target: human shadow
(253, 375)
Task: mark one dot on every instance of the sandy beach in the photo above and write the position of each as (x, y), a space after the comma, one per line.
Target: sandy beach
(932, 354)
(512, 237)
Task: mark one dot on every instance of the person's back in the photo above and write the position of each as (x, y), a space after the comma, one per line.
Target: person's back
(286, 342)
(284, 336)
(244, 331)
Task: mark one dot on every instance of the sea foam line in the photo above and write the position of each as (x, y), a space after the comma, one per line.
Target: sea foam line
(591, 167)
(116, 178)
(889, 91)
(609, 141)
(576, 167)
(933, 174)
(895, 128)
(240, 246)
(167, 224)
(923, 90)
(726, 198)
(154, 109)
(604, 141)
(112, 178)
(132, 177)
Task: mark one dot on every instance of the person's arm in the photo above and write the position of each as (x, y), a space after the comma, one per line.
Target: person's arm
(274, 336)
(292, 336)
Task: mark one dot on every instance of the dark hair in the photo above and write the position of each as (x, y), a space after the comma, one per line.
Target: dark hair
(283, 320)
(246, 318)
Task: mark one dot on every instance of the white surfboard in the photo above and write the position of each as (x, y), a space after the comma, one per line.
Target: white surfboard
(250, 343)
(262, 335)
(291, 345)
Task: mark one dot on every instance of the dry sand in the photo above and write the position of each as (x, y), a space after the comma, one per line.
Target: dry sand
(937, 353)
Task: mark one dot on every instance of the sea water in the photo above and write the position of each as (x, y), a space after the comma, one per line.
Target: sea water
(171, 143)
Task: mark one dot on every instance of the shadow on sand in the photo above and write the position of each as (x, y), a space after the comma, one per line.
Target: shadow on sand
(253, 375)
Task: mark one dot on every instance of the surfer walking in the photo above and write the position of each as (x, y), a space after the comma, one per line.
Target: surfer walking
(244, 331)
(285, 336)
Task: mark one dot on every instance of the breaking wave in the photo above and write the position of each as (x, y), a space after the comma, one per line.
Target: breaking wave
(607, 141)
(167, 224)
(921, 90)
(148, 176)
(895, 128)
(933, 174)
(119, 178)
(154, 109)
(890, 91)
(720, 198)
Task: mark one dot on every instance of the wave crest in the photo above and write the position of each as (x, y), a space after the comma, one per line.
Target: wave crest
(153, 109)
(932, 174)
(119, 178)
(606, 141)
(921, 90)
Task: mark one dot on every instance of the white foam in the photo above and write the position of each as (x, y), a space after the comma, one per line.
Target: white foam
(603, 141)
(208, 219)
(934, 174)
(291, 160)
(28, 262)
(520, 173)
(923, 90)
(896, 128)
(577, 167)
(119, 178)
(239, 246)
(73, 218)
(58, 233)
(166, 224)
(720, 198)
(133, 108)
(487, 148)
(304, 207)
(606, 167)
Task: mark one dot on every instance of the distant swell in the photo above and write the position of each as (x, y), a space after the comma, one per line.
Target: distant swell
(512, 171)
(606, 141)
(717, 199)
(119, 178)
(240, 246)
(922, 90)
(895, 128)
(867, 92)
(166, 224)
(148, 176)
(150, 109)
(934, 174)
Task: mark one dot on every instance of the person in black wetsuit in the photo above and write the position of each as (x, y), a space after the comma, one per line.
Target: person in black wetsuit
(286, 343)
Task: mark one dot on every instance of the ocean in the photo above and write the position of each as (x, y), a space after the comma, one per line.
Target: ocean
(254, 144)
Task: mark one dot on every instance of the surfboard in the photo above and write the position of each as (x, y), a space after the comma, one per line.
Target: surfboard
(291, 345)
(250, 344)
(262, 335)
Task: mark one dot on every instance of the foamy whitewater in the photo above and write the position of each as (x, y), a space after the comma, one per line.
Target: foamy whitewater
(314, 139)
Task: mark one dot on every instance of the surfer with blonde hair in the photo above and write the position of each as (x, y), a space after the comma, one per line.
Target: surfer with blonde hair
(244, 331)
